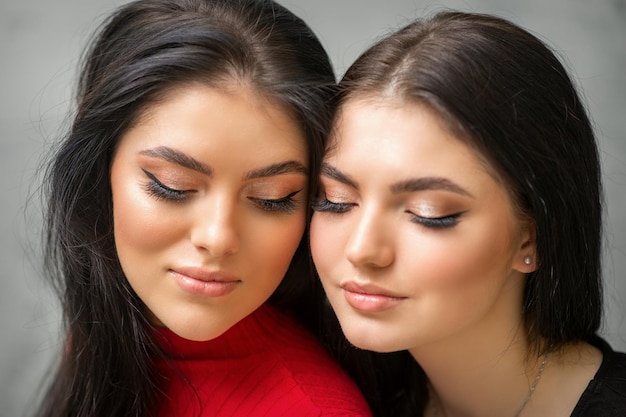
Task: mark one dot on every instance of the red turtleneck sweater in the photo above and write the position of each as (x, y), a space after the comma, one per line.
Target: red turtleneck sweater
(266, 365)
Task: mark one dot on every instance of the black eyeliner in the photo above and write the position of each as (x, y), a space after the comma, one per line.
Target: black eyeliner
(285, 204)
(161, 191)
(443, 222)
(324, 205)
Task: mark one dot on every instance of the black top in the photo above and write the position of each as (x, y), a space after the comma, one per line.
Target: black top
(605, 396)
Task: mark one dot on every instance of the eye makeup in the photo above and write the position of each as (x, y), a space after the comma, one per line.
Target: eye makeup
(322, 204)
(443, 222)
(286, 205)
(160, 191)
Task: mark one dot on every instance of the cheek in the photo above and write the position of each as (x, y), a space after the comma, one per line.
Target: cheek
(470, 264)
(276, 243)
(323, 247)
(139, 229)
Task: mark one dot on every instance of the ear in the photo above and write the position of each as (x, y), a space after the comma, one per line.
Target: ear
(525, 260)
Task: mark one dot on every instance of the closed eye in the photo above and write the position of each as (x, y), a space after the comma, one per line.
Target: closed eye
(325, 205)
(443, 222)
(160, 191)
(287, 204)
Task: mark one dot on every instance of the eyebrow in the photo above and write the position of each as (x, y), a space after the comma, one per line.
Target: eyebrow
(287, 167)
(172, 155)
(179, 158)
(428, 183)
(333, 173)
(406, 186)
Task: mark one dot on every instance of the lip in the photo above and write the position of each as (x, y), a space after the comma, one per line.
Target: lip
(200, 281)
(370, 298)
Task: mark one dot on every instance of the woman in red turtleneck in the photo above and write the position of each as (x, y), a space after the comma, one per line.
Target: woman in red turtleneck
(265, 365)
(178, 204)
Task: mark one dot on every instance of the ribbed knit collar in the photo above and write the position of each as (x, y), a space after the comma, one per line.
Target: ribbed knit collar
(246, 337)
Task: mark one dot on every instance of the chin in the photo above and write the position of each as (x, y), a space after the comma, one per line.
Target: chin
(371, 344)
(200, 336)
(367, 338)
(197, 333)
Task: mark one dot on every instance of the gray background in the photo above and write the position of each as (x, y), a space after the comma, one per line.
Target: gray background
(40, 42)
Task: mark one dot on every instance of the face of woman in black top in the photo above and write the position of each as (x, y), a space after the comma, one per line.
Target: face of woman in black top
(418, 245)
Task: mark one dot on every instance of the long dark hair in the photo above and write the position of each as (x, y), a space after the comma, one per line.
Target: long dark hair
(142, 51)
(505, 93)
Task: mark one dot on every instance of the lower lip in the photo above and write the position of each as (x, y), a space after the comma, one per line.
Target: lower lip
(205, 288)
(371, 303)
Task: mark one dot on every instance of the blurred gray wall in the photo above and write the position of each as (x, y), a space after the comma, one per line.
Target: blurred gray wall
(40, 42)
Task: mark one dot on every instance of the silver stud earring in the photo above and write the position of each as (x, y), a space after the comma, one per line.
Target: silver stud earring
(528, 260)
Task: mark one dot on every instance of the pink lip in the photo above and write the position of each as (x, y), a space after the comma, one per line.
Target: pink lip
(203, 282)
(370, 298)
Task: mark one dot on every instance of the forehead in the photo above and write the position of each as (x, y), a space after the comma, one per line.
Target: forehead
(389, 125)
(401, 112)
(246, 91)
(198, 119)
(400, 140)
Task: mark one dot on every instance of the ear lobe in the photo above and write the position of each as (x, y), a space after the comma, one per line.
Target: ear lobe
(525, 260)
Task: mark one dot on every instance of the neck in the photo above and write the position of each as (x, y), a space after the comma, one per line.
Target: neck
(495, 388)
(485, 381)
(484, 370)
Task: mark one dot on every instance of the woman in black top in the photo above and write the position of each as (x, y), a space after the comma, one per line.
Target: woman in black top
(458, 230)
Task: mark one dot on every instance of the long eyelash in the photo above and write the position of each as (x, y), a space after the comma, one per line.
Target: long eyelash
(286, 204)
(444, 222)
(161, 191)
(325, 205)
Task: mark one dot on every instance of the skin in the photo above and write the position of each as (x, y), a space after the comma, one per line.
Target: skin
(423, 223)
(209, 200)
(427, 255)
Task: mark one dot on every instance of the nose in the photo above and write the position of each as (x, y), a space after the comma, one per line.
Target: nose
(370, 244)
(215, 229)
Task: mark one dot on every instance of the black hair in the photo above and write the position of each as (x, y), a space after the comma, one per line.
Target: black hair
(144, 50)
(504, 92)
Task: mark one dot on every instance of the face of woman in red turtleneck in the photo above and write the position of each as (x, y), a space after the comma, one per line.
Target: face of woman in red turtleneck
(209, 199)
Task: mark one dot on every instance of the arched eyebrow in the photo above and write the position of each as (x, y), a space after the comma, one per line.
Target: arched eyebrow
(287, 167)
(428, 183)
(404, 186)
(333, 173)
(179, 158)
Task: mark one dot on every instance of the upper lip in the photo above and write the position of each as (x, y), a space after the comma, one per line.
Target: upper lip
(204, 274)
(369, 289)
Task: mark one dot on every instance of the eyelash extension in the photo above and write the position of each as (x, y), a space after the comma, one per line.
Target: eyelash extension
(285, 205)
(444, 222)
(325, 205)
(161, 191)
